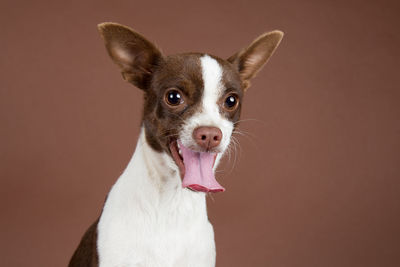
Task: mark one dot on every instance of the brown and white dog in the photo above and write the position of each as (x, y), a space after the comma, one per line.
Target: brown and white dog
(155, 214)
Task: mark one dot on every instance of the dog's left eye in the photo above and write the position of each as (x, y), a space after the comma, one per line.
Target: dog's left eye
(173, 97)
(231, 102)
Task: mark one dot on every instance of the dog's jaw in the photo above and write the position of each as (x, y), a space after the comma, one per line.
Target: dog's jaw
(176, 155)
(196, 168)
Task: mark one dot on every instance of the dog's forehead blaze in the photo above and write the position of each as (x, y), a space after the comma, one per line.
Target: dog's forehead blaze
(185, 72)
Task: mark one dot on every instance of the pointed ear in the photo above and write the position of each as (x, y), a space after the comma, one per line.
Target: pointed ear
(136, 56)
(251, 59)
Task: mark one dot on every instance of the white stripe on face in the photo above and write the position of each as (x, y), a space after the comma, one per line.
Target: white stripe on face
(212, 74)
(209, 114)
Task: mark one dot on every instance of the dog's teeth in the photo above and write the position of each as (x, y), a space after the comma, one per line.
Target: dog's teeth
(180, 152)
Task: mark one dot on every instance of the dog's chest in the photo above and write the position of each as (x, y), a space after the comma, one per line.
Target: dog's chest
(156, 238)
(143, 226)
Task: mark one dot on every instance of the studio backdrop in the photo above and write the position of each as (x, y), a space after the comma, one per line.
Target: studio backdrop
(314, 180)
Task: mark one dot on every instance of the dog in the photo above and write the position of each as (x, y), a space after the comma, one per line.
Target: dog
(155, 214)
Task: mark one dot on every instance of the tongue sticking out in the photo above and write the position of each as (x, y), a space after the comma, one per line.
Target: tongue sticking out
(199, 174)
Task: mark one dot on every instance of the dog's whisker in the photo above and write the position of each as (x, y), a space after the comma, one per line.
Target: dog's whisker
(251, 137)
(211, 197)
(244, 133)
(236, 145)
(232, 150)
(247, 120)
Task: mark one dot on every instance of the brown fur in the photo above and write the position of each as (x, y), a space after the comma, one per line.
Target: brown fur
(136, 56)
(184, 73)
(251, 59)
(143, 65)
(86, 253)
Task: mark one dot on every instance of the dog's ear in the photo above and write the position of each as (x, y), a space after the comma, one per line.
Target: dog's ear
(251, 59)
(136, 56)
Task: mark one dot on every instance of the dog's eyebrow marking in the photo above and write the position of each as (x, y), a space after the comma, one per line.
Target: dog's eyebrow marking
(212, 75)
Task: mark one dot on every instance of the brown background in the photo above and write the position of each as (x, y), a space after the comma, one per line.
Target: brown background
(316, 181)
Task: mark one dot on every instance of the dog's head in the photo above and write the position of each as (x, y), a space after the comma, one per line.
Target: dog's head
(192, 100)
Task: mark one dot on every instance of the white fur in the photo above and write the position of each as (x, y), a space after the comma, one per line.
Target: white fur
(150, 220)
(209, 114)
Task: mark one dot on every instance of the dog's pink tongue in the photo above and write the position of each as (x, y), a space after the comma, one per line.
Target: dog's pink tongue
(199, 174)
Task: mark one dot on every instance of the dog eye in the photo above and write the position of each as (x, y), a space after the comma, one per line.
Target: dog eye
(231, 102)
(173, 97)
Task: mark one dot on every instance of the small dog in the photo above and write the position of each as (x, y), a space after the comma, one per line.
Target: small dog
(155, 214)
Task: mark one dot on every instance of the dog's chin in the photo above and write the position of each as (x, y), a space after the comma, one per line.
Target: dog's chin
(198, 175)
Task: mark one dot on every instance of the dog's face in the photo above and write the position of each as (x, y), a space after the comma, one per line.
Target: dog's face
(192, 101)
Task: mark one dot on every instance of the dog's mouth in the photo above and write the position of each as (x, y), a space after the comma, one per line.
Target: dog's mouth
(196, 168)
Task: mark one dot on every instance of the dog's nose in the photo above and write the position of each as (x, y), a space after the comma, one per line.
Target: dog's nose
(207, 137)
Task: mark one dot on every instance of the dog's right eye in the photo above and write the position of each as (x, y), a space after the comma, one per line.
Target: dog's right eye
(173, 97)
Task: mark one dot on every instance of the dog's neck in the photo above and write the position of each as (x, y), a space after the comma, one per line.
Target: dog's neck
(158, 167)
(147, 205)
(153, 178)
